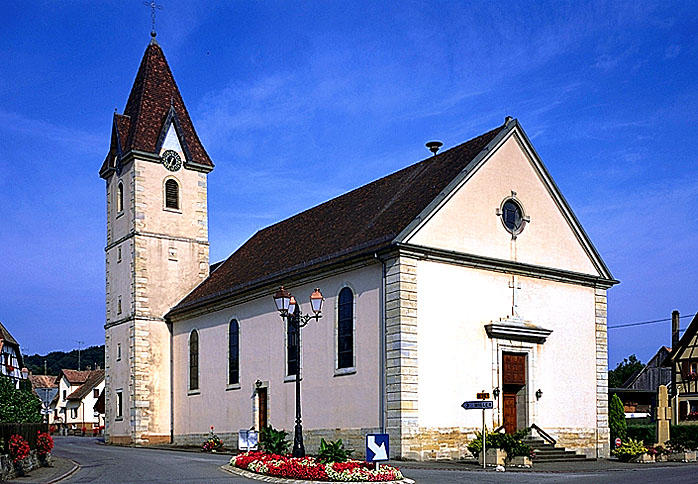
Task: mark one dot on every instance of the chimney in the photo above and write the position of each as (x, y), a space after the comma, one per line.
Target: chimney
(674, 329)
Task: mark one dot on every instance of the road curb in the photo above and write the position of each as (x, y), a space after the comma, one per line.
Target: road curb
(279, 480)
(72, 471)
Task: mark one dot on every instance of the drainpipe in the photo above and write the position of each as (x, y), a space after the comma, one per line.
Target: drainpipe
(381, 342)
(169, 327)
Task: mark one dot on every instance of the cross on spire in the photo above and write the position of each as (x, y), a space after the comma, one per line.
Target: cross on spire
(153, 7)
(515, 286)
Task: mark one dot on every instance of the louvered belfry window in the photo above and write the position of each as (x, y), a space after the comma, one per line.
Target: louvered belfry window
(171, 194)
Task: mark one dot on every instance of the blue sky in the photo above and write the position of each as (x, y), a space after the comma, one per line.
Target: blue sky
(297, 102)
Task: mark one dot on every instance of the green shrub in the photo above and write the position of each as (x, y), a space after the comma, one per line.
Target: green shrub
(646, 433)
(616, 419)
(628, 450)
(512, 444)
(684, 437)
(332, 452)
(18, 406)
(274, 441)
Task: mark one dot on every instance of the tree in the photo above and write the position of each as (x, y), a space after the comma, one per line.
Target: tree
(624, 370)
(616, 418)
(18, 406)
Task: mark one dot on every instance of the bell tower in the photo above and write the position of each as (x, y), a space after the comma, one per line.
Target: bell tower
(157, 247)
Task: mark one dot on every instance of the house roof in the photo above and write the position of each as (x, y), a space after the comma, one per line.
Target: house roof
(74, 377)
(686, 338)
(43, 381)
(154, 101)
(95, 378)
(6, 336)
(365, 219)
(100, 403)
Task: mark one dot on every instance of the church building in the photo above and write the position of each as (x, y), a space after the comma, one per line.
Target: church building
(462, 273)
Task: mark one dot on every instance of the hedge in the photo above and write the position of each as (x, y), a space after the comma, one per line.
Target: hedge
(684, 435)
(645, 432)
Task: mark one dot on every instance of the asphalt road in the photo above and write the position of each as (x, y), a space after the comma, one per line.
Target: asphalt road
(110, 464)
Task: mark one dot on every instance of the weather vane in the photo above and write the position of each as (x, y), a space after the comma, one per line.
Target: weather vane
(153, 7)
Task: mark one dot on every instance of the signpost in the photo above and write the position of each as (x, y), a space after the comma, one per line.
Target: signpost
(481, 405)
(618, 442)
(377, 448)
(248, 440)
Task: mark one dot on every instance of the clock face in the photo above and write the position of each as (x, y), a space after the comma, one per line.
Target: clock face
(171, 160)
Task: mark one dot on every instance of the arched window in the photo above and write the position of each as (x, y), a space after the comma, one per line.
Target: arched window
(345, 329)
(233, 352)
(120, 198)
(194, 360)
(171, 194)
(292, 344)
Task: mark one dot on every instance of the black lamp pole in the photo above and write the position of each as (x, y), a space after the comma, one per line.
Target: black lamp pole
(298, 447)
(290, 310)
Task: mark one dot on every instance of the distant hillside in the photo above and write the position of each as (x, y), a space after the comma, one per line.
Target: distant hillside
(56, 360)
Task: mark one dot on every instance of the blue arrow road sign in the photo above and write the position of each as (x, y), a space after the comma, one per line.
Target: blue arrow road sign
(377, 448)
(477, 405)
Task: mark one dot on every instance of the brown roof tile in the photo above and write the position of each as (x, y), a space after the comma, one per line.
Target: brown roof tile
(367, 218)
(153, 93)
(74, 377)
(94, 378)
(43, 381)
(6, 336)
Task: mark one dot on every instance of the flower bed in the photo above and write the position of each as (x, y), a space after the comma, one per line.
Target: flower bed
(309, 469)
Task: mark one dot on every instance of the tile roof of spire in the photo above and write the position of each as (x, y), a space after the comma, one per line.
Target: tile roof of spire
(141, 126)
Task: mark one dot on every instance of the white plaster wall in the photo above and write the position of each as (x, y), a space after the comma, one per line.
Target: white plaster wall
(456, 356)
(119, 378)
(85, 407)
(468, 222)
(347, 401)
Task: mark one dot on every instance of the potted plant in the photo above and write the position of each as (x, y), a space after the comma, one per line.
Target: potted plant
(19, 450)
(44, 445)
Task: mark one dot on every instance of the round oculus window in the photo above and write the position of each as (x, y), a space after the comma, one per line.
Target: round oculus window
(512, 216)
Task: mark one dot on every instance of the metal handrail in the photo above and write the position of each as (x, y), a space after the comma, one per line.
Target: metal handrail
(546, 436)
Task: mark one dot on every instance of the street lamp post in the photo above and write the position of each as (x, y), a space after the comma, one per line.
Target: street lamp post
(290, 311)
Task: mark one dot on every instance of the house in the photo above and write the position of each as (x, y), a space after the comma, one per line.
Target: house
(74, 404)
(10, 356)
(639, 392)
(685, 371)
(463, 272)
(46, 389)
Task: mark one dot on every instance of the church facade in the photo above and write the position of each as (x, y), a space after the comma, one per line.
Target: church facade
(463, 273)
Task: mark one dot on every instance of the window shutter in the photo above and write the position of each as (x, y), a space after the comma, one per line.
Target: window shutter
(172, 194)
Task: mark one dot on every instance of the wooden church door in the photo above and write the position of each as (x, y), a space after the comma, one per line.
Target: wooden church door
(510, 413)
(514, 383)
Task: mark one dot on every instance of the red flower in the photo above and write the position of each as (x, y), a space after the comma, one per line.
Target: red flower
(19, 448)
(44, 443)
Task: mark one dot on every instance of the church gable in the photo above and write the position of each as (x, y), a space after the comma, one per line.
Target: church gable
(470, 218)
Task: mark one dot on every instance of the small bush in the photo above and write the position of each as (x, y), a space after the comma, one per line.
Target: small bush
(274, 441)
(512, 444)
(330, 452)
(628, 450)
(19, 448)
(44, 444)
(684, 437)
